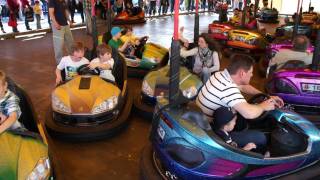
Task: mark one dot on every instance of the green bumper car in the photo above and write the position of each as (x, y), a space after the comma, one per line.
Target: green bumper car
(156, 83)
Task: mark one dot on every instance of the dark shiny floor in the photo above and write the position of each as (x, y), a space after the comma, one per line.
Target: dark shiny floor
(31, 64)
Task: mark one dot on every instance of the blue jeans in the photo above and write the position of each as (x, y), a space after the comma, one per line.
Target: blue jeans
(246, 136)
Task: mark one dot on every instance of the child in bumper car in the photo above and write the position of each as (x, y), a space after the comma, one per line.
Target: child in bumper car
(223, 125)
(71, 63)
(136, 42)
(9, 107)
(224, 122)
(104, 62)
(236, 18)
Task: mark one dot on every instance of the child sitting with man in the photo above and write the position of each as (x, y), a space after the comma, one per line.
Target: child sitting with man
(71, 63)
(224, 122)
(9, 106)
(104, 62)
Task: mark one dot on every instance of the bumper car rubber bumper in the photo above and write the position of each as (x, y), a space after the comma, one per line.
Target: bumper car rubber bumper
(145, 110)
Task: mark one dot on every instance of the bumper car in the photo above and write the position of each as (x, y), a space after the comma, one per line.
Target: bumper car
(158, 80)
(154, 56)
(287, 30)
(298, 86)
(89, 107)
(219, 31)
(272, 49)
(269, 16)
(124, 18)
(24, 154)
(309, 18)
(246, 41)
(183, 146)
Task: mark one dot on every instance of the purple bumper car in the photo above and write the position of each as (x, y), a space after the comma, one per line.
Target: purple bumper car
(299, 88)
(272, 50)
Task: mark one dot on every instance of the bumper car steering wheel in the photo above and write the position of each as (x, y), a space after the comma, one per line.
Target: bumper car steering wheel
(85, 70)
(257, 99)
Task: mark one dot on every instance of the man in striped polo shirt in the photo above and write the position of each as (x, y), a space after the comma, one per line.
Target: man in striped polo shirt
(224, 89)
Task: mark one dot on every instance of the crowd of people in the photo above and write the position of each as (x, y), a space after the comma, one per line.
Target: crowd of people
(36, 10)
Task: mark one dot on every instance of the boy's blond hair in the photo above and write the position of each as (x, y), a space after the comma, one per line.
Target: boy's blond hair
(103, 49)
(2, 78)
(77, 46)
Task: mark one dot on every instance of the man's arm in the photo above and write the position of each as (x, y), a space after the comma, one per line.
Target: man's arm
(8, 122)
(124, 46)
(252, 111)
(248, 89)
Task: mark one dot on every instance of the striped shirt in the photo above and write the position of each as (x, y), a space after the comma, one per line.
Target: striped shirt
(218, 91)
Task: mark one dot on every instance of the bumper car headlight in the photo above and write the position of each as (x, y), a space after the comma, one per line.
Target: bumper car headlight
(146, 89)
(59, 106)
(252, 41)
(190, 92)
(106, 105)
(41, 170)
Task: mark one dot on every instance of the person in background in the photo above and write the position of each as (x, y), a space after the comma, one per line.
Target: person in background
(61, 32)
(152, 7)
(206, 56)
(236, 18)
(13, 20)
(37, 11)
(87, 7)
(29, 16)
(1, 25)
(72, 8)
(80, 9)
(298, 52)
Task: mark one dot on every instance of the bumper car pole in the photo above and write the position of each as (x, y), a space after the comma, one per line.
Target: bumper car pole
(173, 72)
(256, 5)
(297, 18)
(174, 61)
(196, 24)
(316, 54)
(94, 25)
(109, 17)
(244, 14)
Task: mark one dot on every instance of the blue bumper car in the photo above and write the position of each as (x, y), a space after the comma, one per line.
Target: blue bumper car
(183, 146)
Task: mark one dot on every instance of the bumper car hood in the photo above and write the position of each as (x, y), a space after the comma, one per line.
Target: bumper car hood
(83, 93)
(187, 79)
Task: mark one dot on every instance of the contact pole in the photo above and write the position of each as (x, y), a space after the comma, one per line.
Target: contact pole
(94, 25)
(174, 59)
(109, 17)
(196, 24)
(296, 23)
(244, 13)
